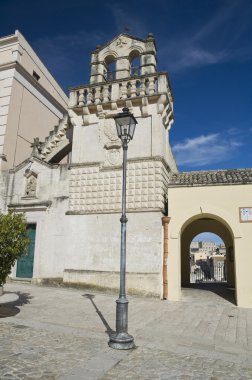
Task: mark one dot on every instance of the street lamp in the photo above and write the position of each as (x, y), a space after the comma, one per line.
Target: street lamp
(121, 340)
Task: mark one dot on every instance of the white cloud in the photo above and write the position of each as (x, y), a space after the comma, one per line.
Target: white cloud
(188, 54)
(234, 131)
(195, 57)
(205, 149)
(216, 23)
(196, 49)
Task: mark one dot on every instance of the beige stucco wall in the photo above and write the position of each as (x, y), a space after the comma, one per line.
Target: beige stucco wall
(27, 118)
(15, 48)
(4, 180)
(222, 203)
(28, 107)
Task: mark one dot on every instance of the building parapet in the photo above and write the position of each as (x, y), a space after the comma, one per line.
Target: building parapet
(121, 89)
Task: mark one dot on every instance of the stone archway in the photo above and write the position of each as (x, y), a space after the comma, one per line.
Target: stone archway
(206, 223)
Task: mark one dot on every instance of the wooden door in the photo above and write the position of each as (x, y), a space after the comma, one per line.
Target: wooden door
(25, 262)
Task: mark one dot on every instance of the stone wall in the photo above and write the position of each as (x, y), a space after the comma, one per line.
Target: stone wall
(93, 189)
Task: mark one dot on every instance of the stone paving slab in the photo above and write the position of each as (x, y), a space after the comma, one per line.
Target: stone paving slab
(146, 364)
(30, 353)
(58, 333)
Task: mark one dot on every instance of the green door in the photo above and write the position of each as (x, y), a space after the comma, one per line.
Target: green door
(25, 262)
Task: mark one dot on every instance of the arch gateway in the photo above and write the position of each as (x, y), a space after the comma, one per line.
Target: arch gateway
(212, 201)
(76, 206)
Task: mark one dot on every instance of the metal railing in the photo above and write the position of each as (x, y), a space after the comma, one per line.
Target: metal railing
(208, 272)
(110, 75)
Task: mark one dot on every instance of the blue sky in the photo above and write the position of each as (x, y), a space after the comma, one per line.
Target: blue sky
(208, 236)
(205, 45)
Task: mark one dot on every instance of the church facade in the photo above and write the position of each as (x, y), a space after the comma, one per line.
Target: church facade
(74, 208)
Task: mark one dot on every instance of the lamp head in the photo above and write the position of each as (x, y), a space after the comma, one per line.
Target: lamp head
(125, 125)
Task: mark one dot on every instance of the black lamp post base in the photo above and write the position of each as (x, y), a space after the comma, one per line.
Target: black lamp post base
(121, 341)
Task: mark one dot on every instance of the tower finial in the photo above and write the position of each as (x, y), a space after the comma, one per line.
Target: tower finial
(150, 36)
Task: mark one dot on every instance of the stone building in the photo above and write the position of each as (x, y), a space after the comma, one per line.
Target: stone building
(73, 209)
(204, 246)
(208, 246)
(31, 101)
(76, 207)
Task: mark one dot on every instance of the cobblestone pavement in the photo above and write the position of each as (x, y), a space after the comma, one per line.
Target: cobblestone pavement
(30, 353)
(58, 333)
(146, 364)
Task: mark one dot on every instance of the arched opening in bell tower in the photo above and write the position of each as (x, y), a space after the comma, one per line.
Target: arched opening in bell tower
(135, 63)
(110, 68)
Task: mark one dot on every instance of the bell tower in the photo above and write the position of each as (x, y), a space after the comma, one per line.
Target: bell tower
(119, 54)
(123, 74)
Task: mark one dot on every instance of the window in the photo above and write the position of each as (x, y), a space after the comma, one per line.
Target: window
(35, 75)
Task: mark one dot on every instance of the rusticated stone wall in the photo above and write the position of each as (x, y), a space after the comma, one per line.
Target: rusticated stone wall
(94, 189)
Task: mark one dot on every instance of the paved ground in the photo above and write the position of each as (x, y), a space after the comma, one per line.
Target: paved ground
(59, 333)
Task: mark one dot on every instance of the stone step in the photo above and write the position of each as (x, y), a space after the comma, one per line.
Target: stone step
(20, 279)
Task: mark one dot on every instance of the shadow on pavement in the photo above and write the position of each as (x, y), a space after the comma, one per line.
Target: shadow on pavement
(221, 289)
(108, 328)
(11, 309)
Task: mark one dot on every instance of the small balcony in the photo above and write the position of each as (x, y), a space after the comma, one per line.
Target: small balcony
(133, 87)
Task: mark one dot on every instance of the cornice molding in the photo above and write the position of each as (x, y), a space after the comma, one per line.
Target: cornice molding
(31, 160)
(31, 206)
(59, 109)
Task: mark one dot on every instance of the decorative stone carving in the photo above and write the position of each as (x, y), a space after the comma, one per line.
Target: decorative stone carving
(36, 147)
(31, 184)
(113, 156)
(111, 143)
(110, 130)
(121, 42)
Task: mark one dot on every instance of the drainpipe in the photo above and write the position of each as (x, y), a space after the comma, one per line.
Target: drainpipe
(165, 222)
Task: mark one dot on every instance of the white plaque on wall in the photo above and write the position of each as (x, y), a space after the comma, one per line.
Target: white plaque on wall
(245, 214)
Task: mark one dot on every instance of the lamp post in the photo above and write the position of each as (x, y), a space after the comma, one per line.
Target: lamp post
(121, 340)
